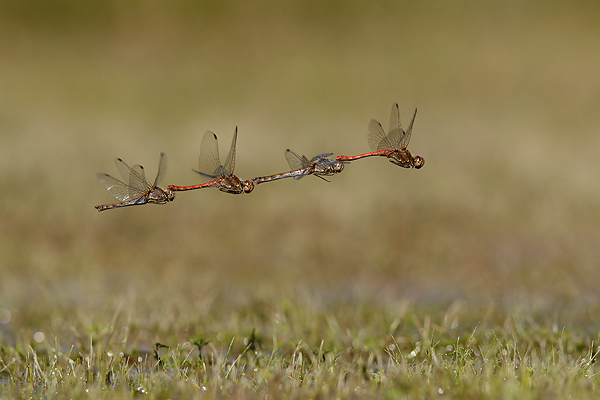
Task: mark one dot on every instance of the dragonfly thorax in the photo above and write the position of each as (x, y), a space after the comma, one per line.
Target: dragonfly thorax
(160, 196)
(232, 184)
(404, 159)
(230, 187)
(327, 167)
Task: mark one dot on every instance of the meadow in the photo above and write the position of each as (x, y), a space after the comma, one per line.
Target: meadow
(473, 277)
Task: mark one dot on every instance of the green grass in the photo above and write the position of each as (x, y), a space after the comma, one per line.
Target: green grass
(308, 349)
(476, 275)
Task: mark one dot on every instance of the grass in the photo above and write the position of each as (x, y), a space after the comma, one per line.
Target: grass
(473, 277)
(307, 350)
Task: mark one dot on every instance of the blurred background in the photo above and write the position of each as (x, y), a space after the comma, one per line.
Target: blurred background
(506, 208)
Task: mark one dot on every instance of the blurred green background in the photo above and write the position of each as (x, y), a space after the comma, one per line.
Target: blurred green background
(506, 209)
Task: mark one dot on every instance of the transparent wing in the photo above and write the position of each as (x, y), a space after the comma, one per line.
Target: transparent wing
(162, 169)
(376, 136)
(395, 123)
(406, 138)
(135, 176)
(394, 138)
(295, 161)
(118, 189)
(124, 169)
(395, 134)
(230, 160)
(209, 165)
(324, 155)
(138, 184)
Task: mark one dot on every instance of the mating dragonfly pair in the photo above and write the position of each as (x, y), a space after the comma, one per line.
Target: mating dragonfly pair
(221, 175)
(138, 190)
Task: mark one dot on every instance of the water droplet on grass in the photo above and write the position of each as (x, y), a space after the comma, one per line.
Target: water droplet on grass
(38, 337)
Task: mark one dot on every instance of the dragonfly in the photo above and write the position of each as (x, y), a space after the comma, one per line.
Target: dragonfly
(213, 172)
(301, 166)
(393, 145)
(138, 190)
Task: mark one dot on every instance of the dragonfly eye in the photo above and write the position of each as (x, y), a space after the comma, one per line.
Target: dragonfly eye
(419, 162)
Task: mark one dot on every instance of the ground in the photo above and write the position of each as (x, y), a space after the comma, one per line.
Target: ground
(473, 277)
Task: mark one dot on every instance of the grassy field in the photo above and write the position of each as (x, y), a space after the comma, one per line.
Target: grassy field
(473, 277)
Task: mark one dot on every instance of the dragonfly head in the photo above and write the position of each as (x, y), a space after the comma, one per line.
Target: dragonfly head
(248, 186)
(418, 162)
(337, 166)
(170, 194)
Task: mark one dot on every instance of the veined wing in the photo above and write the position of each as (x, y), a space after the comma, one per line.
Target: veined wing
(209, 165)
(135, 176)
(136, 185)
(115, 187)
(395, 124)
(395, 131)
(316, 158)
(406, 138)
(397, 137)
(162, 169)
(296, 161)
(377, 138)
(229, 165)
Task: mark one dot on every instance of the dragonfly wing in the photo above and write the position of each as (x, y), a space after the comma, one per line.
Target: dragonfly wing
(206, 178)
(324, 155)
(377, 138)
(115, 187)
(209, 162)
(124, 169)
(230, 160)
(138, 184)
(406, 138)
(393, 139)
(296, 161)
(395, 123)
(135, 176)
(395, 133)
(162, 169)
